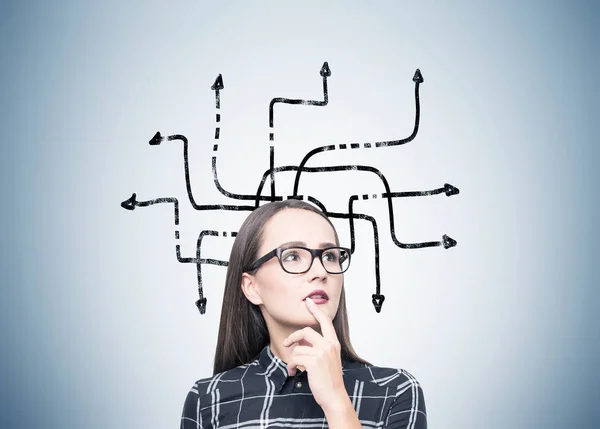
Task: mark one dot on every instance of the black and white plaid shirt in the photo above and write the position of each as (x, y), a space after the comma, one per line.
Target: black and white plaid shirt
(261, 395)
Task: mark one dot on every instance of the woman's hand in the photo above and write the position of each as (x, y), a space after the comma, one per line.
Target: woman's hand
(322, 360)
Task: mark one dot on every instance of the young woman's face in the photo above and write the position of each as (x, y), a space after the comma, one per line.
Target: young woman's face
(282, 294)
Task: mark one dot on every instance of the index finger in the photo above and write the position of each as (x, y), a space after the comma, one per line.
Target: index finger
(327, 329)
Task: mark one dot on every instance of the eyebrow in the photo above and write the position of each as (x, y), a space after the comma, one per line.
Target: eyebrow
(303, 244)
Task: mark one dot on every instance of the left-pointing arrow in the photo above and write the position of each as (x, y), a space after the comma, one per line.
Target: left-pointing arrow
(130, 203)
(157, 139)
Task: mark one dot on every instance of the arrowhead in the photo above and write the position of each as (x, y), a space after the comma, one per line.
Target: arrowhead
(418, 77)
(378, 301)
(130, 203)
(156, 139)
(218, 83)
(325, 71)
(448, 242)
(450, 190)
(201, 304)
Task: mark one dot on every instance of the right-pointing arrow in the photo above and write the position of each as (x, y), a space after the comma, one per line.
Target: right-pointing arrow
(450, 190)
(448, 241)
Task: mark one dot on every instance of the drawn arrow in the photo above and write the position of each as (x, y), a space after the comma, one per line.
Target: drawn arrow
(199, 261)
(325, 72)
(218, 86)
(351, 217)
(387, 194)
(447, 241)
(131, 203)
(448, 189)
(158, 139)
(418, 79)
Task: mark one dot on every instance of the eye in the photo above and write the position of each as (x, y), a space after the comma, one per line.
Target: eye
(290, 256)
(331, 255)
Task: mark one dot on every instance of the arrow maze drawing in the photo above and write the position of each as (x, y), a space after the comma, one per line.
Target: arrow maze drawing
(241, 202)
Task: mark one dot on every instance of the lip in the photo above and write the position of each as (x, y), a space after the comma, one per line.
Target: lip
(318, 292)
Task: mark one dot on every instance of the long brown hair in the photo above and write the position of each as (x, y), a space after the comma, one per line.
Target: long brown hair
(243, 331)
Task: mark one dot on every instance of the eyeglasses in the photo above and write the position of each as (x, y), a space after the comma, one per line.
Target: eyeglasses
(298, 260)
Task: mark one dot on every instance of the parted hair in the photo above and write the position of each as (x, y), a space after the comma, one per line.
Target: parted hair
(243, 331)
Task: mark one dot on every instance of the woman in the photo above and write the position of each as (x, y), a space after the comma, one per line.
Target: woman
(284, 357)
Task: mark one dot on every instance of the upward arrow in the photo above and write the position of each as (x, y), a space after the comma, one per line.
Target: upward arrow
(218, 83)
(325, 72)
(217, 86)
(418, 77)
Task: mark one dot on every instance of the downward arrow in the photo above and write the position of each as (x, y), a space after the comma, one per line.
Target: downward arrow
(201, 304)
(378, 301)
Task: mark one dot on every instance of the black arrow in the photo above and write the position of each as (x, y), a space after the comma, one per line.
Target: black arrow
(448, 189)
(388, 195)
(158, 138)
(325, 72)
(418, 79)
(131, 203)
(378, 301)
(217, 86)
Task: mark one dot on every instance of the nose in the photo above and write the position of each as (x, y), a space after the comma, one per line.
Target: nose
(317, 269)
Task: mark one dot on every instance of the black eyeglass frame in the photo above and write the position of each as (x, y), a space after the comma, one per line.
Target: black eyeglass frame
(314, 253)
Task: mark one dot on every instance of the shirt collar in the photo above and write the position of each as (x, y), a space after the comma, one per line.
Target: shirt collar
(276, 369)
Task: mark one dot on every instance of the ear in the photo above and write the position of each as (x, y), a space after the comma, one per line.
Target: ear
(250, 289)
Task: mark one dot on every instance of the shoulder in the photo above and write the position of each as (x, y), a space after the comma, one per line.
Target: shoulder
(200, 393)
(205, 385)
(382, 376)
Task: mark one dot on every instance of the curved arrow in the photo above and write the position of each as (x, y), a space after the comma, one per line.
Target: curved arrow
(199, 261)
(417, 79)
(217, 86)
(377, 298)
(325, 72)
(158, 139)
(447, 241)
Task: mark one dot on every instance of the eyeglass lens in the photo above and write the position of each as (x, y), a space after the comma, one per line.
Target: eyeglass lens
(298, 260)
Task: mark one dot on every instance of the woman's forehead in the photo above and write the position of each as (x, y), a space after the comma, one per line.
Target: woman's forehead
(297, 225)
